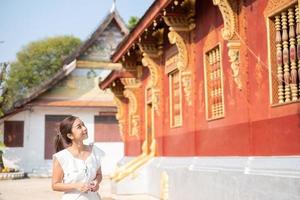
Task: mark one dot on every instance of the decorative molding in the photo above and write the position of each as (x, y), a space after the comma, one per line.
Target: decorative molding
(117, 89)
(179, 23)
(229, 14)
(152, 52)
(182, 64)
(154, 92)
(132, 101)
(159, 37)
(134, 119)
(275, 6)
(173, 122)
(135, 125)
(120, 115)
(229, 17)
(164, 186)
(131, 82)
(155, 99)
(186, 78)
(132, 66)
(150, 49)
(120, 110)
(212, 39)
(184, 21)
(153, 68)
(176, 39)
(154, 77)
(234, 59)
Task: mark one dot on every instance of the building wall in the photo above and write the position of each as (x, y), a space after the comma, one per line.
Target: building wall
(250, 153)
(30, 157)
(251, 126)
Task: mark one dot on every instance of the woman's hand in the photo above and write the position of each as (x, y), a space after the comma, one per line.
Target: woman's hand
(83, 187)
(94, 186)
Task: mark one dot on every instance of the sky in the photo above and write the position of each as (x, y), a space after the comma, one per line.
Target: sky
(24, 21)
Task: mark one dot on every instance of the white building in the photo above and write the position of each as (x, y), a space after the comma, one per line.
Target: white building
(28, 131)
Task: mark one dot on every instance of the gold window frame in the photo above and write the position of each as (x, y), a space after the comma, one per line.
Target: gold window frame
(206, 65)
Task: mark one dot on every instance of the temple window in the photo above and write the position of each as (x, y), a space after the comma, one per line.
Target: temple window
(214, 84)
(14, 133)
(175, 98)
(106, 128)
(284, 49)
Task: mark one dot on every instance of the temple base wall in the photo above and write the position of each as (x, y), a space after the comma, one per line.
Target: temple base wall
(217, 178)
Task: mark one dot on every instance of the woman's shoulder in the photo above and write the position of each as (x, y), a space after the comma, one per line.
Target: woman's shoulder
(61, 154)
(97, 150)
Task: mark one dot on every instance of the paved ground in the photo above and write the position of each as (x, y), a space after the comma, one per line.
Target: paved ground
(40, 189)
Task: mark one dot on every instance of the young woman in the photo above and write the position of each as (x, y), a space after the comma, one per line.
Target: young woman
(76, 168)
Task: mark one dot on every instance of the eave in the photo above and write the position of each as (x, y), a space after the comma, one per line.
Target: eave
(147, 19)
(115, 74)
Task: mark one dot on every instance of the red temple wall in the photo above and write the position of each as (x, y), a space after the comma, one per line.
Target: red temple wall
(251, 126)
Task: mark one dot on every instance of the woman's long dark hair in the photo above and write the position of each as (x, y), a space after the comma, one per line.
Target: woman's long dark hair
(65, 127)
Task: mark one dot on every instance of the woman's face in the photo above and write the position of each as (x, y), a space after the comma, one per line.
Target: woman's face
(79, 131)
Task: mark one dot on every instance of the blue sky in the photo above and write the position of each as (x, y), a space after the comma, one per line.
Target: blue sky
(23, 21)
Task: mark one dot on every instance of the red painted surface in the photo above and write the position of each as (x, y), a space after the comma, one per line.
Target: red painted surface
(251, 126)
(133, 147)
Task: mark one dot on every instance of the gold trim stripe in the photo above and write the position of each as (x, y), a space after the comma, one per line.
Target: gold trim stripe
(97, 64)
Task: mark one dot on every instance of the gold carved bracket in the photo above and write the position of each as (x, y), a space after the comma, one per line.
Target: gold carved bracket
(180, 23)
(234, 58)
(182, 64)
(132, 65)
(228, 10)
(154, 80)
(184, 21)
(154, 48)
(131, 82)
(151, 54)
(120, 115)
(229, 17)
(153, 68)
(130, 93)
(117, 89)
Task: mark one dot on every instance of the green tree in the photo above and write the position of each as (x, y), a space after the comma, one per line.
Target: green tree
(36, 62)
(132, 22)
(3, 74)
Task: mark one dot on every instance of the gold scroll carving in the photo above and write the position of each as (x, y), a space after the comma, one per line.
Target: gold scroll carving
(182, 64)
(228, 11)
(154, 73)
(134, 117)
(229, 18)
(120, 115)
(234, 59)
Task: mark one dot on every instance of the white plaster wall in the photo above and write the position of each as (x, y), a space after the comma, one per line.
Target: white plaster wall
(114, 151)
(218, 178)
(30, 157)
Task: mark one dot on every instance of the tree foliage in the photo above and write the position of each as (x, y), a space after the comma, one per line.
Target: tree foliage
(132, 22)
(36, 62)
(3, 75)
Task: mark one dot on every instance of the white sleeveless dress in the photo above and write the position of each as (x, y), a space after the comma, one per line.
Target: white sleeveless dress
(77, 170)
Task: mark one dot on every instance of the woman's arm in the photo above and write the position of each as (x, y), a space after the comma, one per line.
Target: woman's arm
(58, 185)
(97, 180)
